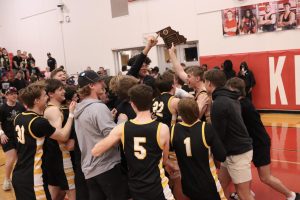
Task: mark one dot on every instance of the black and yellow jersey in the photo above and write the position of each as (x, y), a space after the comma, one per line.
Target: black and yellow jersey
(204, 117)
(58, 159)
(144, 160)
(194, 145)
(31, 131)
(161, 108)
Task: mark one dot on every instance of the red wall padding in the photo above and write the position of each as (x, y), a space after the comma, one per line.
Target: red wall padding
(258, 62)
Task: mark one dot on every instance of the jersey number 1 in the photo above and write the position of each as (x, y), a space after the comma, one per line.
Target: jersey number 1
(20, 131)
(187, 142)
(139, 151)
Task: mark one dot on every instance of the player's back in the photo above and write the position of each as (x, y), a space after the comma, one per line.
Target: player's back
(199, 178)
(29, 147)
(161, 108)
(144, 159)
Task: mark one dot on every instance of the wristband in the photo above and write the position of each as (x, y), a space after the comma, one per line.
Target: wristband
(71, 115)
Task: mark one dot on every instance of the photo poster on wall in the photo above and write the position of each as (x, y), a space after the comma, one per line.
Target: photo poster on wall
(248, 19)
(298, 14)
(230, 19)
(263, 17)
(287, 14)
(267, 16)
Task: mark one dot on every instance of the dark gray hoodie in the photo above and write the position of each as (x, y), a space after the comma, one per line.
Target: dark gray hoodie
(93, 122)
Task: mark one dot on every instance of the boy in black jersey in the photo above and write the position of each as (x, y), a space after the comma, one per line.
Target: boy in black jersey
(31, 130)
(196, 145)
(261, 140)
(164, 109)
(144, 142)
(58, 164)
(8, 111)
(194, 78)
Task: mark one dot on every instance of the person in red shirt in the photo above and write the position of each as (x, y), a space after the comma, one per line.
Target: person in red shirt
(230, 24)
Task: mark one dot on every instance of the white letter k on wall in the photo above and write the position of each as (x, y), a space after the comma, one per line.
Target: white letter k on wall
(276, 80)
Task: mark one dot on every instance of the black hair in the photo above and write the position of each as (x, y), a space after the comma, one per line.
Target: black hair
(133, 59)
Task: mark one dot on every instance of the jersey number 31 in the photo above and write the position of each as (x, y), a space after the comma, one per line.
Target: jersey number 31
(20, 131)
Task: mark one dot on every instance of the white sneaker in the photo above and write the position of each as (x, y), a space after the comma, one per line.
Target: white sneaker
(6, 185)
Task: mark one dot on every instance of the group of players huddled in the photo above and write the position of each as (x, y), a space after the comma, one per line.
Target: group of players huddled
(150, 139)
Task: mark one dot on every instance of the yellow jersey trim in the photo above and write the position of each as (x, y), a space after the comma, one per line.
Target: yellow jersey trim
(203, 136)
(137, 123)
(123, 135)
(172, 133)
(158, 136)
(169, 103)
(189, 125)
(29, 128)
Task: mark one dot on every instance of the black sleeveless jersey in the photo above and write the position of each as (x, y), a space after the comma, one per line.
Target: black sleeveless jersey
(161, 108)
(199, 177)
(58, 158)
(144, 160)
(268, 27)
(203, 118)
(287, 19)
(51, 147)
(31, 131)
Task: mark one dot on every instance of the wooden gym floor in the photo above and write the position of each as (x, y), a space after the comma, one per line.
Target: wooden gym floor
(284, 130)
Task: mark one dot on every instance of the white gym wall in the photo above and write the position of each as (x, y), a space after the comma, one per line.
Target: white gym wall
(92, 34)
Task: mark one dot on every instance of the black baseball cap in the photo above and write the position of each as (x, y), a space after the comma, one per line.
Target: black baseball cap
(11, 90)
(87, 77)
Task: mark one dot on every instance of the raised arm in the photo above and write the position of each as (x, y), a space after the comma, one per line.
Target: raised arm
(178, 69)
(138, 63)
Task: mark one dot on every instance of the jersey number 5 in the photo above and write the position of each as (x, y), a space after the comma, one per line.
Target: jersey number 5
(20, 131)
(187, 142)
(139, 151)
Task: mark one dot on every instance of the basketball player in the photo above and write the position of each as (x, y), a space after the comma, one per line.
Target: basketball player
(8, 111)
(194, 78)
(197, 145)
(164, 109)
(144, 140)
(32, 129)
(60, 174)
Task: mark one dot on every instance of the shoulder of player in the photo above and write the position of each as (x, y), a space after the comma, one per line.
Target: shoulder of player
(164, 129)
(52, 111)
(174, 100)
(202, 93)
